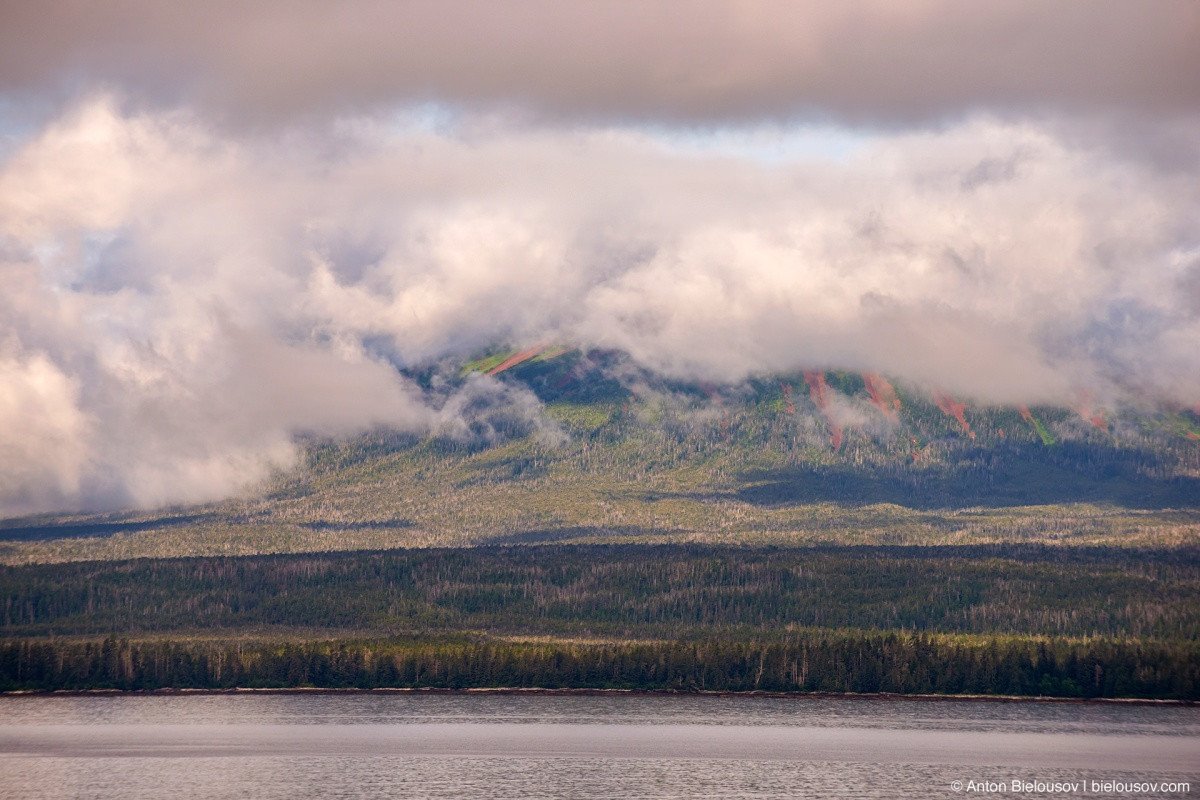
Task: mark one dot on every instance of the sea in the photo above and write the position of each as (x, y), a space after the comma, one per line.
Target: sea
(497, 745)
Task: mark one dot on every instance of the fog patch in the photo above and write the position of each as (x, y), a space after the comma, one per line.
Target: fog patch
(486, 411)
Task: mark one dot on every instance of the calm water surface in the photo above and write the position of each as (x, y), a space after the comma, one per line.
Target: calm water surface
(512, 746)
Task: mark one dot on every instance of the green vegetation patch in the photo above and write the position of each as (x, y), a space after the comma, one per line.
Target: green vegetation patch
(582, 417)
(485, 363)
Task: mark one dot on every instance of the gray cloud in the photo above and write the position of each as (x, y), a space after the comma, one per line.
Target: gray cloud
(860, 60)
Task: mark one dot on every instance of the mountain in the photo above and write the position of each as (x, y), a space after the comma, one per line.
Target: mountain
(572, 519)
(552, 444)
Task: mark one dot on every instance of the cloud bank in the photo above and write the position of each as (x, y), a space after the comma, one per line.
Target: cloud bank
(858, 60)
(220, 231)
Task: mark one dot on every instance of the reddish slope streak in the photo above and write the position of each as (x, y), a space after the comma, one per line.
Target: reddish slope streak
(1085, 410)
(515, 359)
(951, 408)
(819, 390)
(883, 395)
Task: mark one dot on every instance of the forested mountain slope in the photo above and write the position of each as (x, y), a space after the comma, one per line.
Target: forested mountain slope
(557, 445)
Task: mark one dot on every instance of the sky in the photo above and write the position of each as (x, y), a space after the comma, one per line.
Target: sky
(224, 225)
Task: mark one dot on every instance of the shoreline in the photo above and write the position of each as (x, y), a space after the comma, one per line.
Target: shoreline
(598, 692)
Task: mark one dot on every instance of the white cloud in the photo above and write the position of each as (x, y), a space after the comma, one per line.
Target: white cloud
(177, 302)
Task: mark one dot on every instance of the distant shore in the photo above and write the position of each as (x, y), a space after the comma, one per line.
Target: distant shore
(599, 692)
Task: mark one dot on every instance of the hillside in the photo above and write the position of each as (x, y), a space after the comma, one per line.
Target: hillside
(550, 445)
(572, 520)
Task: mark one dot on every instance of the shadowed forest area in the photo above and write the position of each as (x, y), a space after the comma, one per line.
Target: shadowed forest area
(999, 620)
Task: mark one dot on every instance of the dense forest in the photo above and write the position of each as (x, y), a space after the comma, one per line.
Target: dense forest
(999, 619)
(798, 661)
(624, 591)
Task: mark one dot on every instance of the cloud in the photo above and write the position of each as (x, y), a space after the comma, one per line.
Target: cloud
(42, 438)
(178, 301)
(699, 61)
(484, 411)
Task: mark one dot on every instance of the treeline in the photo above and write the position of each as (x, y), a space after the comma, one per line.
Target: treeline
(802, 661)
(623, 591)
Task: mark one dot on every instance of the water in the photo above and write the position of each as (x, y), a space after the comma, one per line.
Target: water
(541, 746)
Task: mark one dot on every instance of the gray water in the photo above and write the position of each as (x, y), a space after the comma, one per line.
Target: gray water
(541, 746)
